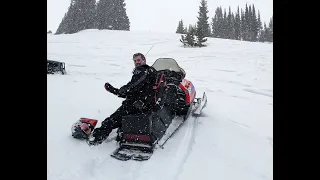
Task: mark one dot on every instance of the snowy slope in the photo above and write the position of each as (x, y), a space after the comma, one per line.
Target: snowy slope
(233, 140)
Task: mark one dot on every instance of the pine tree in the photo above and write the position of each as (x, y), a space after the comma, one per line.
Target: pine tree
(259, 22)
(63, 25)
(233, 22)
(243, 26)
(85, 14)
(183, 40)
(192, 29)
(271, 29)
(220, 30)
(254, 25)
(91, 14)
(224, 25)
(103, 10)
(237, 26)
(80, 16)
(259, 25)
(200, 37)
(250, 21)
(180, 28)
(202, 24)
(189, 39)
(217, 23)
(246, 24)
(261, 37)
(67, 21)
(121, 22)
(185, 30)
(214, 26)
(210, 31)
(265, 33)
(229, 27)
(111, 14)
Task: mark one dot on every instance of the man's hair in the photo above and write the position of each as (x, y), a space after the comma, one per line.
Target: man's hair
(139, 54)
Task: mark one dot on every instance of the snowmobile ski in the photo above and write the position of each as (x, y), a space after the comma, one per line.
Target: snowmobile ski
(201, 103)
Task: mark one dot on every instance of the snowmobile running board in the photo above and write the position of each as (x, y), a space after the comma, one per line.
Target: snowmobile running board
(142, 152)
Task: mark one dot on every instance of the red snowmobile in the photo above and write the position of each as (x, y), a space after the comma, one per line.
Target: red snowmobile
(175, 100)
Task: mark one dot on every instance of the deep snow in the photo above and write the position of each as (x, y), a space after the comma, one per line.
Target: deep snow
(233, 140)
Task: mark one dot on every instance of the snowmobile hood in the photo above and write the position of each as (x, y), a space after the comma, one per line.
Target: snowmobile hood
(168, 63)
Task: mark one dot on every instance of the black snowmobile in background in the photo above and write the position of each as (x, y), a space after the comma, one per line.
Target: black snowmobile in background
(55, 67)
(175, 102)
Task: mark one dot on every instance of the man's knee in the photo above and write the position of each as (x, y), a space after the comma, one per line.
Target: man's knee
(111, 123)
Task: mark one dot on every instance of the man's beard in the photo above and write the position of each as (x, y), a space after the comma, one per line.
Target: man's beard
(138, 64)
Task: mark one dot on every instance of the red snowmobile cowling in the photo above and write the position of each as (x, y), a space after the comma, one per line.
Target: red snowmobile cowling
(189, 89)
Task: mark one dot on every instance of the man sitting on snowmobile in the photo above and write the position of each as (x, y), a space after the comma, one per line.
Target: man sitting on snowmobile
(138, 94)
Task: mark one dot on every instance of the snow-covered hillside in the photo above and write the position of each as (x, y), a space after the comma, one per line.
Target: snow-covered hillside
(233, 140)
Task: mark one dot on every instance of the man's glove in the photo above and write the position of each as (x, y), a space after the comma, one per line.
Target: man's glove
(110, 88)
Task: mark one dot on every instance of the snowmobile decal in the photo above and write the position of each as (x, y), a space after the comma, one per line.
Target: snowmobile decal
(189, 90)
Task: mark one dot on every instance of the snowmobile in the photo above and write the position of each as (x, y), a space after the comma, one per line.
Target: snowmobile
(55, 67)
(175, 100)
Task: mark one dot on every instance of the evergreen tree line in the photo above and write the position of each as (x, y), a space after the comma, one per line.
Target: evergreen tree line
(87, 14)
(243, 25)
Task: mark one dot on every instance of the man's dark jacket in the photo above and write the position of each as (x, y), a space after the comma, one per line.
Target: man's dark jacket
(140, 87)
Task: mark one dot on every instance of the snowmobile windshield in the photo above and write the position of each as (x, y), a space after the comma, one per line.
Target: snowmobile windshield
(168, 63)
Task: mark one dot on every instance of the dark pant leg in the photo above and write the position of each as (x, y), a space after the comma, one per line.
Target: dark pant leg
(114, 121)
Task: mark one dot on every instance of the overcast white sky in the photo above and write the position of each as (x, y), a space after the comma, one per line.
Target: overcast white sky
(162, 15)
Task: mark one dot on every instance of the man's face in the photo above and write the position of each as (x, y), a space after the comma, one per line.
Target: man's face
(138, 61)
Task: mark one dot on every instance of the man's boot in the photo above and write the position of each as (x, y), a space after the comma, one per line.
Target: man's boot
(98, 136)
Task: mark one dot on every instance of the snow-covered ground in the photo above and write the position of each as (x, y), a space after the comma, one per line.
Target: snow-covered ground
(233, 140)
